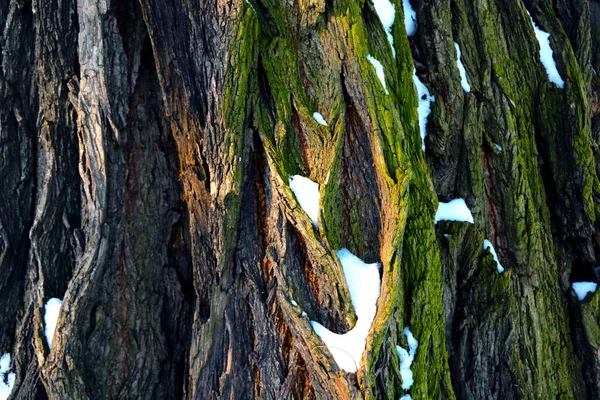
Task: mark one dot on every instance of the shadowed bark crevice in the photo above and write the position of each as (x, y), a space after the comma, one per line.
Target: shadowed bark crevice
(360, 194)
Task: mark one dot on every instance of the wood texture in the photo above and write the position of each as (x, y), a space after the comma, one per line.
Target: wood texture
(145, 154)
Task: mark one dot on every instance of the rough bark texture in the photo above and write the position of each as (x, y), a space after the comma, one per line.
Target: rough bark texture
(145, 150)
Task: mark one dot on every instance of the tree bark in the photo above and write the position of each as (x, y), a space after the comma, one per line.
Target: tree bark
(145, 154)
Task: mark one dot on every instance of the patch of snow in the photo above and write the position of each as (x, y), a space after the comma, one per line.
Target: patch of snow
(412, 342)
(410, 18)
(546, 55)
(406, 397)
(461, 70)
(498, 146)
(307, 194)
(583, 288)
(488, 245)
(378, 71)
(424, 109)
(52, 310)
(7, 379)
(407, 358)
(364, 285)
(447, 235)
(319, 118)
(454, 210)
(304, 314)
(387, 14)
(294, 303)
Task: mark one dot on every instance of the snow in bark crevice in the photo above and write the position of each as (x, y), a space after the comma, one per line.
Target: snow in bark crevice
(387, 14)
(410, 18)
(464, 82)
(407, 357)
(7, 378)
(423, 95)
(308, 196)
(52, 311)
(547, 55)
(582, 289)
(364, 285)
(319, 118)
(488, 245)
(378, 71)
(424, 108)
(454, 210)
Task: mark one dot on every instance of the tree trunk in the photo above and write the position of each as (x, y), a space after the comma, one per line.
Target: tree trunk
(146, 149)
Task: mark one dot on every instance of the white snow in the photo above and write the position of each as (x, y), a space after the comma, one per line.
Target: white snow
(378, 71)
(7, 379)
(52, 310)
(406, 397)
(364, 285)
(307, 194)
(387, 14)
(461, 70)
(454, 210)
(294, 303)
(424, 109)
(498, 146)
(407, 358)
(488, 245)
(425, 98)
(583, 288)
(546, 55)
(304, 314)
(410, 18)
(319, 118)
